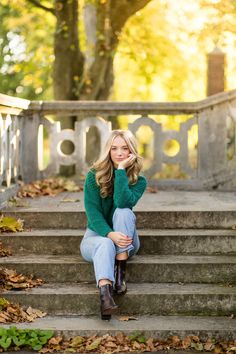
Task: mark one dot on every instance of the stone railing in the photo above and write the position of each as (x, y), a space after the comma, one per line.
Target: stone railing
(214, 119)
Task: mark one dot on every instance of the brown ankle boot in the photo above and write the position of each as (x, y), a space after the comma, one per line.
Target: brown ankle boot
(108, 306)
(120, 284)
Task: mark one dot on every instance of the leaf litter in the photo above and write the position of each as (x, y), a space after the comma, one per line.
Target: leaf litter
(11, 280)
(135, 342)
(4, 252)
(47, 187)
(15, 313)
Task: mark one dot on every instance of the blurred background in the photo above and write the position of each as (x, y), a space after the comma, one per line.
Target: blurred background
(143, 50)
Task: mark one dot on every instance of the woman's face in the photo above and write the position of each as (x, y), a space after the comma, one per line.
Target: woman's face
(119, 151)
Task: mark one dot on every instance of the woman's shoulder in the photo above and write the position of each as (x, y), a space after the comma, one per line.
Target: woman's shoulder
(91, 177)
(142, 179)
(91, 173)
(141, 182)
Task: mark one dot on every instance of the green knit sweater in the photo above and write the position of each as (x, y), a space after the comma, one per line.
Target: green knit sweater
(100, 210)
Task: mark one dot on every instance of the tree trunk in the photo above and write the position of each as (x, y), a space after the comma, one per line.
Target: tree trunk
(68, 64)
(74, 78)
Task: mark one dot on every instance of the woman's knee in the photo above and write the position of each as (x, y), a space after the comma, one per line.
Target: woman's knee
(124, 212)
(106, 245)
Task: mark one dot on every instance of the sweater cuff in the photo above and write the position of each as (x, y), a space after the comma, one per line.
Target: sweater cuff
(120, 172)
(106, 232)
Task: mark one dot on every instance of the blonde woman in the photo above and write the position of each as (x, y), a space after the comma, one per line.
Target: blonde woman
(112, 188)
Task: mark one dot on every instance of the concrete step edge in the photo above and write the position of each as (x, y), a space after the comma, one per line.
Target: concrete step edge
(149, 259)
(142, 232)
(151, 326)
(133, 289)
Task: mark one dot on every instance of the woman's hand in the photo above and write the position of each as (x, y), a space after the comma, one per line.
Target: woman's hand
(127, 162)
(121, 240)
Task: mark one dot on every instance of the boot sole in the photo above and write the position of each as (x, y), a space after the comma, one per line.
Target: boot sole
(106, 314)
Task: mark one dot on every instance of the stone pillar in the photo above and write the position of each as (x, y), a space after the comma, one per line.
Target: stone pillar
(215, 72)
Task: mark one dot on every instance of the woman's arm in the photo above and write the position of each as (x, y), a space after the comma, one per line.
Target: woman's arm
(92, 202)
(126, 196)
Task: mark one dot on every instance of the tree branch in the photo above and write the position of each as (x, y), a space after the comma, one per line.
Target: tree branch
(37, 3)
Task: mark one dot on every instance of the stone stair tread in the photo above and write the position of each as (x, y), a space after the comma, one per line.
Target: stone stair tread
(161, 201)
(141, 232)
(151, 259)
(133, 289)
(153, 326)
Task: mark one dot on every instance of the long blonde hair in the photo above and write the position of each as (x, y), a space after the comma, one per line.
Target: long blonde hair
(104, 166)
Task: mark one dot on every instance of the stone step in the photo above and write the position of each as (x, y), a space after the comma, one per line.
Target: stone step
(161, 327)
(141, 268)
(57, 218)
(141, 299)
(153, 241)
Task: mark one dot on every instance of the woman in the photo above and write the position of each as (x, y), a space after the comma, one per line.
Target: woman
(112, 188)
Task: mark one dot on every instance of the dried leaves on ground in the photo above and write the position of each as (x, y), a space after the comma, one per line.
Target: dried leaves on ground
(136, 342)
(151, 189)
(4, 252)
(50, 187)
(11, 280)
(14, 313)
(9, 224)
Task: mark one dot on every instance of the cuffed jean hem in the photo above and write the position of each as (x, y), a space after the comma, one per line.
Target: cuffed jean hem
(128, 249)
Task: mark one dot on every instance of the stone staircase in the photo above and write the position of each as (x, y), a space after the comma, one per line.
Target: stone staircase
(181, 282)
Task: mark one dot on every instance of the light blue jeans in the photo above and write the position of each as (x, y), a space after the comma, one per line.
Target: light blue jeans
(102, 250)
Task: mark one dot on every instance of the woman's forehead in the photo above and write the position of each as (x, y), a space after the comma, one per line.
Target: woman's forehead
(118, 140)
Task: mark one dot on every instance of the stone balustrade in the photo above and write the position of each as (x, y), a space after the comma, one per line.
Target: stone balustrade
(214, 119)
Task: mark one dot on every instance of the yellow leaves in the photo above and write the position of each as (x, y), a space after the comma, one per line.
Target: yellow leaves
(94, 345)
(9, 224)
(77, 341)
(58, 6)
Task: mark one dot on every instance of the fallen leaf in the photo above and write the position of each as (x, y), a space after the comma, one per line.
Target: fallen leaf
(4, 252)
(8, 223)
(94, 345)
(209, 346)
(186, 343)
(151, 190)
(127, 318)
(69, 200)
(110, 345)
(175, 340)
(197, 346)
(55, 340)
(77, 341)
(136, 345)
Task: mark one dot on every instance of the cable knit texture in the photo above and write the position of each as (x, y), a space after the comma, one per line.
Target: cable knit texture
(100, 210)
